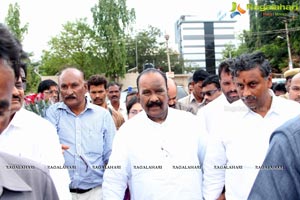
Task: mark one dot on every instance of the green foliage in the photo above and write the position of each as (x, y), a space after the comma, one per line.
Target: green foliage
(74, 46)
(111, 21)
(33, 79)
(265, 30)
(14, 23)
(147, 47)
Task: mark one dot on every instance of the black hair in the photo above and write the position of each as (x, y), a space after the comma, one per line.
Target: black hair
(10, 49)
(97, 80)
(212, 79)
(113, 84)
(200, 75)
(225, 67)
(150, 70)
(45, 85)
(247, 62)
(131, 102)
(279, 87)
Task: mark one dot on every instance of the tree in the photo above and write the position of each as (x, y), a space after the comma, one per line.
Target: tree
(14, 23)
(111, 21)
(143, 46)
(74, 46)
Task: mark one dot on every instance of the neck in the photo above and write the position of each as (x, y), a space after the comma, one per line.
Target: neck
(116, 105)
(198, 99)
(79, 109)
(263, 110)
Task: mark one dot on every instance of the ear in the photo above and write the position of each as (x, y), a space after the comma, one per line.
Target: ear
(269, 81)
(85, 86)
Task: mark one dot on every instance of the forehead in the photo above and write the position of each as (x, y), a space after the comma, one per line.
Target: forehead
(295, 81)
(113, 87)
(53, 87)
(71, 76)
(249, 75)
(97, 87)
(225, 75)
(152, 80)
(209, 87)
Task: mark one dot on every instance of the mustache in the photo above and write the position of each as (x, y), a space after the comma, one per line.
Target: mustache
(70, 97)
(249, 98)
(172, 106)
(16, 97)
(154, 103)
(232, 91)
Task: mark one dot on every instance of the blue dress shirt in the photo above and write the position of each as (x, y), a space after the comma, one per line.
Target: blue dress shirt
(89, 136)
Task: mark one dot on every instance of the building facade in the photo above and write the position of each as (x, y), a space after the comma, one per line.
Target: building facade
(201, 43)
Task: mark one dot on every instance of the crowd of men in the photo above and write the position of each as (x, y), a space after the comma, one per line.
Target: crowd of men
(232, 137)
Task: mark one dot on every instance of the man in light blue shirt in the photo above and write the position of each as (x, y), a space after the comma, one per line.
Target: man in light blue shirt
(87, 130)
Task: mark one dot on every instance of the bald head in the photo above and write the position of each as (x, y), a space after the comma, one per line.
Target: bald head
(71, 71)
(172, 92)
(73, 89)
(294, 92)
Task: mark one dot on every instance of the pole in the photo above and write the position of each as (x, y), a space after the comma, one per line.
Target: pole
(136, 54)
(168, 55)
(288, 45)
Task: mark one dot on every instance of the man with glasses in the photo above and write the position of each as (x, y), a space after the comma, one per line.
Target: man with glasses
(211, 88)
(49, 89)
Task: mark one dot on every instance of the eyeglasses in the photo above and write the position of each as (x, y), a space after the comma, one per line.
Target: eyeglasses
(134, 112)
(50, 92)
(210, 92)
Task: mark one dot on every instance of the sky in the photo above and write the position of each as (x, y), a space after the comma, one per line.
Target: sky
(46, 17)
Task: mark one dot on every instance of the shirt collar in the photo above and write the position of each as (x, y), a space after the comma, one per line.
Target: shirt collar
(88, 106)
(273, 108)
(10, 180)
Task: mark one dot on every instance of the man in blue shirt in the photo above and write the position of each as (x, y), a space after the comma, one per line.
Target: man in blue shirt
(87, 130)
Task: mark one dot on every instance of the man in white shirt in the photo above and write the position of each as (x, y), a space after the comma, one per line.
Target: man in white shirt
(213, 112)
(234, 155)
(29, 135)
(159, 152)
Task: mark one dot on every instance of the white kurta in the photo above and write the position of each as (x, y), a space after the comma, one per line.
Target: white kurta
(160, 161)
(213, 113)
(29, 135)
(241, 144)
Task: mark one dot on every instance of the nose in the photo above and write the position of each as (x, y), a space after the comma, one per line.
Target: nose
(69, 91)
(246, 92)
(232, 87)
(15, 91)
(153, 98)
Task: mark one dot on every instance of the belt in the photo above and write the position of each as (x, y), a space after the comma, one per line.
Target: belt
(79, 191)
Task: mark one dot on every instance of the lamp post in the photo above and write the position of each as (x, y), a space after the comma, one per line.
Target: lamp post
(168, 55)
(136, 54)
(288, 45)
